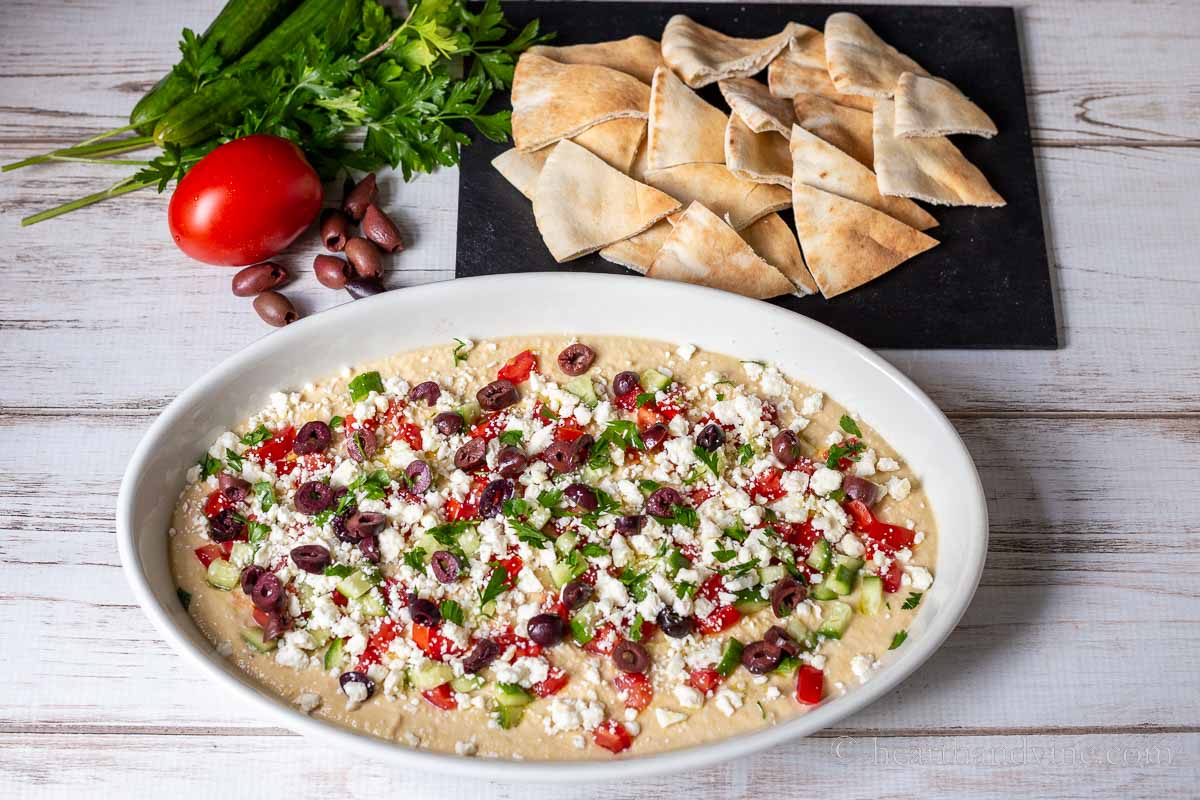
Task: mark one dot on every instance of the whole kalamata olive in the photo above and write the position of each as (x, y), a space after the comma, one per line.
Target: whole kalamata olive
(267, 593)
(275, 309)
(258, 278)
(471, 456)
(761, 657)
(379, 228)
(364, 257)
(331, 271)
(486, 651)
(711, 437)
(424, 612)
(233, 488)
(311, 558)
(226, 525)
(786, 595)
(582, 495)
(497, 395)
(630, 657)
(362, 195)
(358, 288)
(313, 497)
(511, 461)
(660, 501)
(358, 678)
(313, 437)
(361, 444)
(629, 524)
(491, 500)
(445, 566)
(626, 383)
(419, 475)
(426, 392)
(448, 423)
(674, 625)
(335, 230)
(547, 629)
(786, 447)
(576, 359)
(576, 594)
(861, 489)
(560, 456)
(654, 436)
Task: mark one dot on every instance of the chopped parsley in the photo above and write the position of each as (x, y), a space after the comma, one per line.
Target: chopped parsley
(913, 599)
(210, 466)
(635, 583)
(447, 533)
(529, 534)
(233, 460)
(644, 399)
(724, 555)
(497, 585)
(635, 628)
(593, 550)
(681, 515)
(265, 493)
(514, 437)
(336, 421)
(837, 495)
(847, 424)
(364, 384)
(737, 531)
(745, 454)
(373, 485)
(452, 612)
(710, 459)
(851, 450)
(461, 348)
(256, 436)
(339, 571)
(415, 558)
(257, 532)
(648, 486)
(685, 589)
(550, 498)
(898, 639)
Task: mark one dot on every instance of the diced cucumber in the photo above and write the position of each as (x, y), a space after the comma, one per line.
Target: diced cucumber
(593, 476)
(319, 636)
(849, 562)
(254, 638)
(511, 694)
(835, 619)
(840, 579)
(470, 412)
(468, 542)
(748, 607)
(582, 629)
(431, 675)
(333, 654)
(561, 573)
(356, 584)
(370, 604)
(786, 666)
(654, 381)
(308, 597)
(773, 573)
(509, 717)
(223, 575)
(870, 599)
(467, 683)
(581, 386)
(822, 592)
(820, 555)
(566, 542)
(242, 554)
(731, 656)
(427, 543)
(801, 633)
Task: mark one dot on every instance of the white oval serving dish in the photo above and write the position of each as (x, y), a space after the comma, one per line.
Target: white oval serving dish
(547, 303)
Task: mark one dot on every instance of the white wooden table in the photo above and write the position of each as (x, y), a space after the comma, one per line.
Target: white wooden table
(1073, 673)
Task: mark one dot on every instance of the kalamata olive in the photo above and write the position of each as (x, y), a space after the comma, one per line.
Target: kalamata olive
(654, 436)
(559, 456)
(361, 444)
(626, 382)
(445, 566)
(497, 395)
(630, 657)
(313, 437)
(369, 547)
(782, 639)
(364, 257)
(711, 437)
(786, 595)
(485, 652)
(786, 447)
(379, 228)
(472, 455)
(311, 558)
(511, 461)
(358, 288)
(581, 449)
(258, 278)
(313, 497)
(491, 500)
(276, 624)
(359, 678)
(335, 231)
(424, 612)
(233, 488)
(861, 489)
(582, 496)
(761, 657)
(547, 629)
(426, 391)
(419, 475)
(338, 523)
(576, 359)
(629, 524)
(267, 593)
(250, 576)
(332, 272)
(576, 594)
(365, 523)
(226, 525)
(448, 423)
(275, 309)
(660, 501)
(362, 195)
(674, 625)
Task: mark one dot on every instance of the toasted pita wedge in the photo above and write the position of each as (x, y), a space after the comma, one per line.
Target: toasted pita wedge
(801, 68)
(522, 169)
(637, 252)
(757, 157)
(738, 201)
(847, 129)
(702, 249)
(553, 101)
(859, 61)
(684, 129)
(817, 163)
(930, 168)
(935, 107)
(616, 141)
(774, 242)
(758, 108)
(702, 56)
(637, 56)
(847, 244)
(582, 204)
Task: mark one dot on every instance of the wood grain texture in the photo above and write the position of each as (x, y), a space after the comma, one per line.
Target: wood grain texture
(1077, 656)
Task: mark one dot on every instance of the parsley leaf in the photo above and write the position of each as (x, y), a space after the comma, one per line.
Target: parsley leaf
(514, 437)
(336, 421)
(745, 454)
(724, 555)
(210, 466)
(635, 628)
(635, 583)
(529, 534)
(709, 458)
(373, 485)
(497, 585)
(257, 532)
(415, 558)
(851, 450)
(898, 639)
(233, 460)
(911, 602)
(645, 398)
(461, 348)
(256, 436)
(199, 61)
(550, 498)
(452, 612)
(849, 425)
(362, 385)
(265, 493)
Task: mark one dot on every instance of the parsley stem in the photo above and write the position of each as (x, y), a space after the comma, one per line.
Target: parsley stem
(123, 186)
(108, 134)
(97, 149)
(121, 162)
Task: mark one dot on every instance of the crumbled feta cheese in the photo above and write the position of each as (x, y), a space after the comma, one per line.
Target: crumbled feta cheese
(886, 464)
(898, 488)
(666, 717)
(825, 480)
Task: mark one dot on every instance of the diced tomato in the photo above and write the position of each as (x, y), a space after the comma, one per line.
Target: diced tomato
(556, 606)
(770, 412)
(810, 684)
(352, 423)
(518, 367)
(377, 645)
(490, 426)
(690, 550)
(612, 736)
(704, 680)
(555, 680)
(276, 450)
(700, 494)
(410, 434)
(603, 641)
(635, 688)
(522, 647)
(892, 577)
(544, 415)
(648, 415)
(339, 599)
(627, 401)
(711, 588)
(260, 617)
(649, 629)
(768, 485)
(457, 510)
(216, 503)
(722, 618)
(800, 535)
(672, 405)
(433, 643)
(442, 697)
(888, 538)
(568, 430)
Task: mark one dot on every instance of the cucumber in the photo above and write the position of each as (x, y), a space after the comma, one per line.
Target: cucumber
(773, 573)
(582, 388)
(509, 717)
(840, 580)
(431, 675)
(820, 555)
(835, 620)
(731, 656)
(582, 629)
(241, 555)
(239, 25)
(466, 683)
(822, 592)
(654, 381)
(468, 542)
(356, 584)
(870, 599)
(470, 412)
(510, 694)
(592, 475)
(254, 638)
(319, 636)
(800, 633)
(223, 575)
(370, 604)
(199, 116)
(565, 543)
(333, 654)
(561, 573)
(786, 666)
(748, 607)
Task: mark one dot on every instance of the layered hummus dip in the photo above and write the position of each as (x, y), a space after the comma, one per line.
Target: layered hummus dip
(554, 548)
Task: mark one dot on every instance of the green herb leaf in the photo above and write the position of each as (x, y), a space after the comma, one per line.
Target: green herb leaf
(529, 534)
(415, 558)
(373, 485)
(685, 589)
(848, 424)
(257, 532)
(336, 421)
(514, 437)
(593, 550)
(911, 602)
(550, 498)
(724, 555)
(265, 493)
(199, 63)
(452, 612)
(461, 348)
(745, 454)
(851, 450)
(648, 487)
(339, 571)
(362, 385)
(635, 628)
(710, 459)
(496, 586)
(645, 398)
(210, 466)
(635, 583)
(234, 460)
(256, 436)
(898, 639)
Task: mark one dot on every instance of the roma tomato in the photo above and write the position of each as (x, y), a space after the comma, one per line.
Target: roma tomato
(245, 201)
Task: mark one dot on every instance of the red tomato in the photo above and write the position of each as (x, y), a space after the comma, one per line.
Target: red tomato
(810, 683)
(704, 680)
(512, 567)
(892, 578)
(568, 430)
(518, 367)
(767, 485)
(522, 647)
(611, 735)
(377, 645)
(722, 618)
(647, 415)
(627, 401)
(433, 643)
(410, 434)
(245, 201)
(490, 426)
(603, 641)
(888, 538)
(216, 503)
(636, 688)
(442, 697)
(556, 679)
(277, 450)
(209, 553)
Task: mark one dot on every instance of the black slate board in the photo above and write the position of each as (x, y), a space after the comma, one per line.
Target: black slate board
(986, 285)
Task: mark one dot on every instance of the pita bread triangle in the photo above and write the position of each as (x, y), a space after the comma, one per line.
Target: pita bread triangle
(702, 55)
(616, 141)
(847, 129)
(758, 157)
(929, 168)
(684, 129)
(582, 204)
(637, 55)
(758, 108)
(859, 61)
(847, 244)
(638, 251)
(553, 101)
(775, 243)
(738, 201)
(703, 250)
(819, 164)
(935, 107)
(801, 68)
